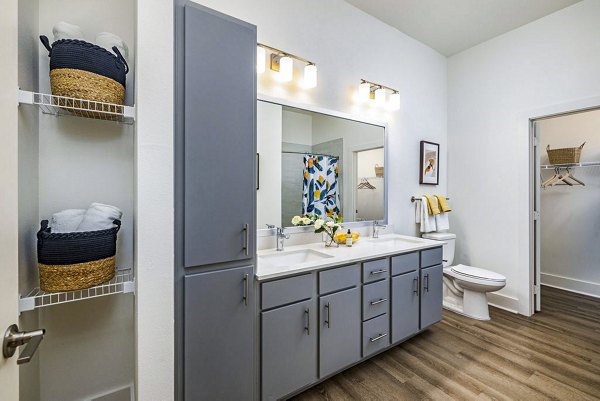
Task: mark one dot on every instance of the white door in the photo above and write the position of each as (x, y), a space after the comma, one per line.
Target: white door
(537, 217)
(9, 372)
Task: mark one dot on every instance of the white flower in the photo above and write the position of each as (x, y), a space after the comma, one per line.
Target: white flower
(319, 223)
(296, 220)
(306, 221)
(330, 224)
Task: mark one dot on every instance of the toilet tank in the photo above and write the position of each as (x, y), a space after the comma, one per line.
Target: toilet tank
(448, 248)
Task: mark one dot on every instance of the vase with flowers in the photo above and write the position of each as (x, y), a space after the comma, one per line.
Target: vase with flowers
(326, 227)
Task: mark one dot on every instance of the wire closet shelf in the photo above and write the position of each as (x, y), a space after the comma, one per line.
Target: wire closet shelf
(570, 165)
(69, 106)
(122, 283)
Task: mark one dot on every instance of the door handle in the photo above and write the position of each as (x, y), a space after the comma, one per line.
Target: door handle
(378, 301)
(13, 338)
(426, 286)
(307, 327)
(328, 320)
(245, 296)
(246, 230)
(416, 285)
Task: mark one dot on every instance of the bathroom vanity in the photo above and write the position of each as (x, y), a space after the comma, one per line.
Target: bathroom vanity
(322, 310)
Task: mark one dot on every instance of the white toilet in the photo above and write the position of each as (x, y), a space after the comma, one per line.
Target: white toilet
(465, 287)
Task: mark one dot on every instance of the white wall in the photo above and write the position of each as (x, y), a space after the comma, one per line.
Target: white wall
(493, 89)
(268, 146)
(297, 127)
(347, 45)
(570, 220)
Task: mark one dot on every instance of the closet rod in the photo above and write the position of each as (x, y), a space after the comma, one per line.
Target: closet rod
(413, 199)
(309, 153)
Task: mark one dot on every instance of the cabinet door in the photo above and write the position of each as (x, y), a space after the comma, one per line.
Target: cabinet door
(219, 335)
(405, 305)
(289, 349)
(220, 138)
(339, 331)
(431, 295)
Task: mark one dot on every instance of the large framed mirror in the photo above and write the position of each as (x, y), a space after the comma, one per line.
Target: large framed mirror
(316, 161)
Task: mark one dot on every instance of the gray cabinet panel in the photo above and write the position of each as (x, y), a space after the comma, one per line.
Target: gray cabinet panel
(339, 329)
(405, 305)
(286, 291)
(431, 295)
(289, 349)
(376, 298)
(431, 257)
(339, 278)
(376, 270)
(219, 335)
(219, 138)
(405, 263)
(376, 334)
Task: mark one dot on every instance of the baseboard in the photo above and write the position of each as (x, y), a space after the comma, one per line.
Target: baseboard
(505, 302)
(571, 284)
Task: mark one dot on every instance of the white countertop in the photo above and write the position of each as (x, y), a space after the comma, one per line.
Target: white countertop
(365, 248)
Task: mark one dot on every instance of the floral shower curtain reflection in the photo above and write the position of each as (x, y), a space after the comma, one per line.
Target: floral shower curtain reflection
(320, 186)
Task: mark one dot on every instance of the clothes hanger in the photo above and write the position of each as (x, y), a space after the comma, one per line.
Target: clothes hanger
(572, 177)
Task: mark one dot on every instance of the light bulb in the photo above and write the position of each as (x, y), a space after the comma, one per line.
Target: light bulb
(310, 76)
(286, 69)
(380, 97)
(394, 102)
(260, 60)
(364, 91)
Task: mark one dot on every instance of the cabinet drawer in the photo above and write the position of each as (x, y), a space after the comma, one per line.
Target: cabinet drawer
(285, 291)
(339, 279)
(376, 270)
(431, 257)
(405, 263)
(376, 335)
(376, 298)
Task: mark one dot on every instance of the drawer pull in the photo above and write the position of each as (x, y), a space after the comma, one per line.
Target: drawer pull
(378, 301)
(245, 295)
(307, 328)
(426, 282)
(416, 285)
(379, 337)
(380, 271)
(328, 320)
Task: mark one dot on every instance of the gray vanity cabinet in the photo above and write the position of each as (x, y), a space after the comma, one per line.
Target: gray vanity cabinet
(219, 138)
(405, 305)
(289, 349)
(219, 341)
(339, 330)
(431, 295)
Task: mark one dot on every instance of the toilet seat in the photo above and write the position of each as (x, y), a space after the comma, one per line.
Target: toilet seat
(477, 273)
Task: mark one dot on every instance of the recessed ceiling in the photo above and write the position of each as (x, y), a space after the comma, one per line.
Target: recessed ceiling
(451, 26)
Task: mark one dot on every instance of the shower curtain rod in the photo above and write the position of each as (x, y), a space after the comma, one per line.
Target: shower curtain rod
(311, 153)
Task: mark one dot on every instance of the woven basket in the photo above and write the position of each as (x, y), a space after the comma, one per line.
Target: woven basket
(82, 70)
(78, 260)
(378, 171)
(564, 155)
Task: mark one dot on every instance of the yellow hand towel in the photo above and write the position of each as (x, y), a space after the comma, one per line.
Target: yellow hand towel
(443, 203)
(432, 205)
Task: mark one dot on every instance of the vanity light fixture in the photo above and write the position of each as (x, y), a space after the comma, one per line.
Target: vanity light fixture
(368, 90)
(261, 63)
(283, 63)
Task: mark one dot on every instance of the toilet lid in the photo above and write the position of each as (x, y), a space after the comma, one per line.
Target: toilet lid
(476, 272)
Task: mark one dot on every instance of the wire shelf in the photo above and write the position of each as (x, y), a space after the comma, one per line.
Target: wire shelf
(122, 283)
(62, 105)
(570, 165)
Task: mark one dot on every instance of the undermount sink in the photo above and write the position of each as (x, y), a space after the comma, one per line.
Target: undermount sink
(291, 258)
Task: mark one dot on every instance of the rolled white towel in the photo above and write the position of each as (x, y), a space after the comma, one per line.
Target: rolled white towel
(64, 30)
(108, 40)
(99, 217)
(66, 221)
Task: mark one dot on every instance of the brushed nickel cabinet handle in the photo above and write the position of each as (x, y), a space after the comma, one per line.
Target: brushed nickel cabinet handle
(246, 239)
(416, 285)
(245, 296)
(380, 271)
(328, 320)
(378, 301)
(307, 314)
(426, 286)
(379, 337)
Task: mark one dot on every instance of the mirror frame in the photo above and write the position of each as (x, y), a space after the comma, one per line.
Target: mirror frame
(266, 232)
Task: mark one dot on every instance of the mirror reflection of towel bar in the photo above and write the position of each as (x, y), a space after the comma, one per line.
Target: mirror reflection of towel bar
(413, 199)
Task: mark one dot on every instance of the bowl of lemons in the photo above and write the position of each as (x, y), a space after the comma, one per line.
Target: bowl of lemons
(341, 237)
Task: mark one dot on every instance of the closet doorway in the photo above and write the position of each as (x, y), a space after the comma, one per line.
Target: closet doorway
(566, 195)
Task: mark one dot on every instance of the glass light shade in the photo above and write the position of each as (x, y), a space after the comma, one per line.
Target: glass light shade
(310, 76)
(364, 91)
(261, 63)
(394, 102)
(380, 97)
(286, 69)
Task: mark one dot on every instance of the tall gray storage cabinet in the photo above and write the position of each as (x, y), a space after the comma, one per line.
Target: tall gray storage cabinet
(215, 215)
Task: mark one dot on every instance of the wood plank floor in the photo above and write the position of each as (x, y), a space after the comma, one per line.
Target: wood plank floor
(554, 355)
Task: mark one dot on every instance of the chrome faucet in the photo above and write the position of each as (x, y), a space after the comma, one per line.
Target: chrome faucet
(376, 227)
(281, 236)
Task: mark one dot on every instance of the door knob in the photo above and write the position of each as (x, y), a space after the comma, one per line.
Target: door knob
(13, 338)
